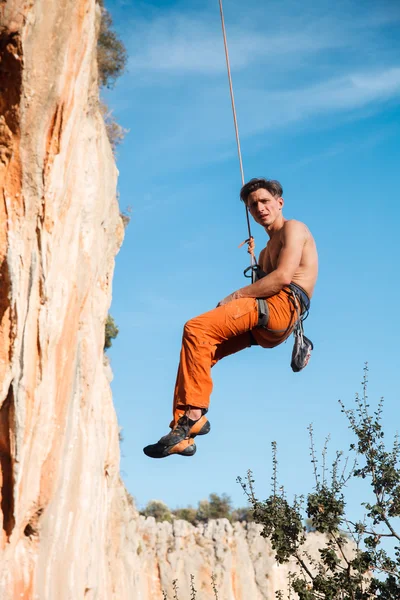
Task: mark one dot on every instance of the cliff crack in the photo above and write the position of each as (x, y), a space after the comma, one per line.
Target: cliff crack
(6, 463)
(10, 92)
(32, 527)
(53, 139)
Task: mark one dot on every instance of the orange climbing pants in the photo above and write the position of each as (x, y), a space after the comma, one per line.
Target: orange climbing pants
(223, 331)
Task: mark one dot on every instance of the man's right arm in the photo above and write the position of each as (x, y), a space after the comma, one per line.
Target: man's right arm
(293, 239)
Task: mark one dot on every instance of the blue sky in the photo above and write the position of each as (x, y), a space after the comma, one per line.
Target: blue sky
(317, 91)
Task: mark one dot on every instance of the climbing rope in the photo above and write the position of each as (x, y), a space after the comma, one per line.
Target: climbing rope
(250, 240)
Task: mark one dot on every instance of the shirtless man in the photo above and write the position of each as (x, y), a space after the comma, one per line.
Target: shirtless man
(264, 313)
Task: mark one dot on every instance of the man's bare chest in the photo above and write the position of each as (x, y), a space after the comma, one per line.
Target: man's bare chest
(271, 255)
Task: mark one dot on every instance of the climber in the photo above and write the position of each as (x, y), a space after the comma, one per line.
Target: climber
(264, 313)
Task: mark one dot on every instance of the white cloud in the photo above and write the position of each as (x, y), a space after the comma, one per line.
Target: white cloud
(345, 93)
(320, 65)
(178, 44)
(202, 136)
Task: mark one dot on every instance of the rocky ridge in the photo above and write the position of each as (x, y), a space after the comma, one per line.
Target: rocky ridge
(241, 561)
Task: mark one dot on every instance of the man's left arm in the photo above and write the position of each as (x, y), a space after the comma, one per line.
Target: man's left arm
(293, 238)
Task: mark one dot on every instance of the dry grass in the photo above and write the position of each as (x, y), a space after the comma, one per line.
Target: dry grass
(115, 132)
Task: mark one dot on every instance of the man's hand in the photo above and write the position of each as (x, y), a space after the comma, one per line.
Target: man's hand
(229, 298)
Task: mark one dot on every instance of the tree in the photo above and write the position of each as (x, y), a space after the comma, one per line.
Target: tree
(359, 561)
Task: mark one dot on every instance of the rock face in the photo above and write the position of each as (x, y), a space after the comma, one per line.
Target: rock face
(68, 530)
(240, 560)
(59, 232)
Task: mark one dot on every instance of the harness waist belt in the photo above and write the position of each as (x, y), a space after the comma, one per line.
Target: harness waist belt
(302, 295)
(297, 290)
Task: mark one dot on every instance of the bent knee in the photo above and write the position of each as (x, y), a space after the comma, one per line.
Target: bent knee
(193, 328)
(188, 328)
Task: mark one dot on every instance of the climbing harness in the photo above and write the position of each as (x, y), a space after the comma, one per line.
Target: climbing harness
(302, 345)
(298, 298)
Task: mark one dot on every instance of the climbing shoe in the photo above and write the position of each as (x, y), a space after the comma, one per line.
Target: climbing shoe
(185, 429)
(159, 450)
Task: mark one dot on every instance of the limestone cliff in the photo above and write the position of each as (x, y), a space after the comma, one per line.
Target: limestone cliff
(240, 559)
(68, 529)
(60, 231)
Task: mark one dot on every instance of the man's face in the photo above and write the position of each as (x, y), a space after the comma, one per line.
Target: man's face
(264, 207)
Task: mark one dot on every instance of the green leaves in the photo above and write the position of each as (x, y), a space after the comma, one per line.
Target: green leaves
(282, 524)
(111, 332)
(364, 562)
(326, 509)
(215, 507)
(111, 52)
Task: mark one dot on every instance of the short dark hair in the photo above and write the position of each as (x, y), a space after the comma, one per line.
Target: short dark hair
(271, 185)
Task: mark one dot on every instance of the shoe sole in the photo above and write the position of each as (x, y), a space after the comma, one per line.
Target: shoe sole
(203, 431)
(161, 451)
(189, 451)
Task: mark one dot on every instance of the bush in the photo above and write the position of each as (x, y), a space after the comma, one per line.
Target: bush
(243, 514)
(158, 510)
(358, 561)
(216, 507)
(186, 514)
(126, 216)
(111, 332)
(111, 52)
(115, 131)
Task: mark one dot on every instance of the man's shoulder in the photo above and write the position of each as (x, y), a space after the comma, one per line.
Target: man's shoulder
(294, 223)
(292, 226)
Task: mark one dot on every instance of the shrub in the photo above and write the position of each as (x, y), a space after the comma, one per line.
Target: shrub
(111, 332)
(158, 510)
(216, 507)
(111, 52)
(243, 514)
(126, 215)
(187, 514)
(364, 562)
(115, 131)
